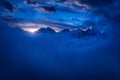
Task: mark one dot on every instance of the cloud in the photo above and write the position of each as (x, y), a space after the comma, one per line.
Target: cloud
(90, 51)
(31, 3)
(96, 3)
(8, 5)
(46, 9)
(32, 55)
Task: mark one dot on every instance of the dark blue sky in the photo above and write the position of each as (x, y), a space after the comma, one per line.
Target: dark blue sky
(74, 40)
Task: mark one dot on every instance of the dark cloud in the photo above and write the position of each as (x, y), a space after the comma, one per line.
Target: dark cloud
(8, 5)
(96, 3)
(46, 9)
(30, 3)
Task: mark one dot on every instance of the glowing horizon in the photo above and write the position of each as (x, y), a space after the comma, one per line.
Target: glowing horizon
(31, 30)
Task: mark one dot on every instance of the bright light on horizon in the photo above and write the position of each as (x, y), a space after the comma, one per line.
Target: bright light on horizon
(31, 30)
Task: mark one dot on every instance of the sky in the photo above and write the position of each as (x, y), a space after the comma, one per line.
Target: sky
(59, 40)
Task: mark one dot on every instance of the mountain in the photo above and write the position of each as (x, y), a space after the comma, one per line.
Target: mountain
(46, 30)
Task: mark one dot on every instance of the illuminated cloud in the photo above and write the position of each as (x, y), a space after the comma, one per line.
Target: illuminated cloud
(65, 14)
